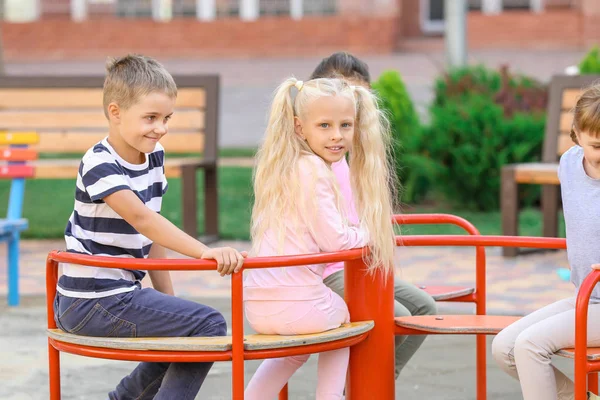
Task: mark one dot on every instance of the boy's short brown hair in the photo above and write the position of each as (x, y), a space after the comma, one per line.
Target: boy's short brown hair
(130, 77)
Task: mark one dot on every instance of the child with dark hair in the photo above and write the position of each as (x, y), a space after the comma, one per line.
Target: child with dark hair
(409, 299)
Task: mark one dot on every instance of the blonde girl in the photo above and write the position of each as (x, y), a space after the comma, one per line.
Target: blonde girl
(298, 210)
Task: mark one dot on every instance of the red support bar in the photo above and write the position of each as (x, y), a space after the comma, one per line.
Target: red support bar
(201, 265)
(53, 353)
(283, 395)
(480, 307)
(592, 381)
(581, 315)
(237, 340)
(370, 296)
(482, 240)
(435, 219)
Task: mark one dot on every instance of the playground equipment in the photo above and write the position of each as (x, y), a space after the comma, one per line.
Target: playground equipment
(370, 336)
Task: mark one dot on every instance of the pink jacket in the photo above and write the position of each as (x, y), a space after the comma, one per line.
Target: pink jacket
(328, 233)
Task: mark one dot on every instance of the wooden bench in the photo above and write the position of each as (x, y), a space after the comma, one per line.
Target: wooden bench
(67, 113)
(446, 293)
(564, 92)
(15, 164)
(453, 324)
(223, 343)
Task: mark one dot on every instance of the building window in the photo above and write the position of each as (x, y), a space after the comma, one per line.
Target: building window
(320, 7)
(228, 8)
(309, 7)
(224, 8)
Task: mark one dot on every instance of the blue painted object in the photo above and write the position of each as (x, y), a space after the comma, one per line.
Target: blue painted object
(564, 274)
(10, 229)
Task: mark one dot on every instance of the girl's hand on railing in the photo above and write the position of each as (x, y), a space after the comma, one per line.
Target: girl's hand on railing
(595, 266)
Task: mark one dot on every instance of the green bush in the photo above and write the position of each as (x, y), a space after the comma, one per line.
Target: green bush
(590, 64)
(465, 82)
(481, 120)
(413, 170)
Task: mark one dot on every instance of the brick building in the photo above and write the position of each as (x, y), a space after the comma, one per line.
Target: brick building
(51, 29)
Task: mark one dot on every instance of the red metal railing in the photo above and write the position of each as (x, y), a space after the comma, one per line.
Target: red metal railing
(369, 297)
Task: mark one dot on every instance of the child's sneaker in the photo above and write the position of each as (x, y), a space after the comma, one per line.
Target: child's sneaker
(592, 396)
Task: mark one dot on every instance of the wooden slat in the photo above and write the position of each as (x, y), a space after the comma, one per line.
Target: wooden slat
(564, 143)
(222, 343)
(16, 171)
(569, 98)
(81, 98)
(566, 121)
(457, 324)
(593, 353)
(442, 293)
(17, 154)
(18, 138)
(85, 119)
(67, 168)
(80, 142)
(264, 342)
(537, 173)
(219, 343)
(191, 98)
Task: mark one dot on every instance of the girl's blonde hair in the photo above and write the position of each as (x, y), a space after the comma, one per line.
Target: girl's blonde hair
(586, 113)
(276, 177)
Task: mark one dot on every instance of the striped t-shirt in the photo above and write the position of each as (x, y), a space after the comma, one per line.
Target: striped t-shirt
(94, 228)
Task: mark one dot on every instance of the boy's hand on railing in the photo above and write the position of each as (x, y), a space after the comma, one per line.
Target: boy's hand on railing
(595, 266)
(228, 260)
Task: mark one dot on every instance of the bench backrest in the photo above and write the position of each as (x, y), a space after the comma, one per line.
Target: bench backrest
(564, 92)
(67, 112)
(14, 155)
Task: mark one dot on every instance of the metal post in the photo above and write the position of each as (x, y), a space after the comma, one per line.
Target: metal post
(296, 9)
(456, 36)
(79, 10)
(371, 297)
(162, 10)
(491, 7)
(206, 10)
(21, 10)
(249, 10)
(536, 6)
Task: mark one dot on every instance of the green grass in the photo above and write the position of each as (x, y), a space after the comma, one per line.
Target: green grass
(49, 202)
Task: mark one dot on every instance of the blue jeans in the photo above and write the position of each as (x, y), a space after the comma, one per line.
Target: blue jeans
(145, 313)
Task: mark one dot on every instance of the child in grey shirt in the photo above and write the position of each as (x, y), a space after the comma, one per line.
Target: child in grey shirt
(524, 349)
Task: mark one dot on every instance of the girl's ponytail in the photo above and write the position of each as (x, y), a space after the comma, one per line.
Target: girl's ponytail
(373, 179)
(274, 171)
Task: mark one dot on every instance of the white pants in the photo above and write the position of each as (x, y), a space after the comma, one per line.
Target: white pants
(524, 349)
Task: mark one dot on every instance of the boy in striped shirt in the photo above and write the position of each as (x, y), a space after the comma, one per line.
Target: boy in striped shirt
(118, 198)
